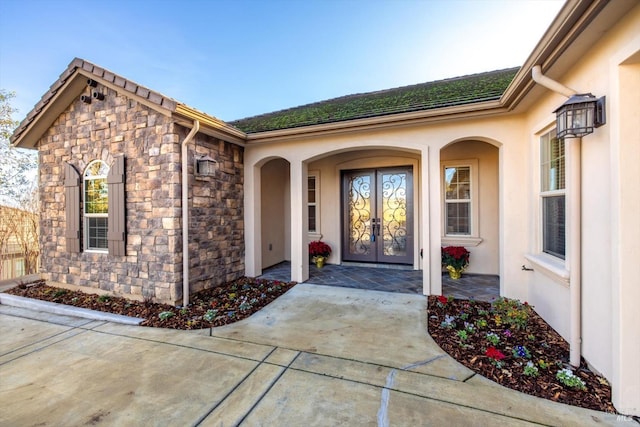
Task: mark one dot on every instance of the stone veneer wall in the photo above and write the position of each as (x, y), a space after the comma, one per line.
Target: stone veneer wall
(152, 267)
(216, 229)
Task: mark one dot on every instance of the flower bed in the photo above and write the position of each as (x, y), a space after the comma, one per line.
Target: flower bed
(217, 306)
(510, 344)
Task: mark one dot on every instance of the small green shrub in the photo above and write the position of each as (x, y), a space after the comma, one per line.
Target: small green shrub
(166, 315)
(511, 312)
(531, 370)
(568, 378)
(492, 338)
(210, 315)
(463, 335)
(59, 293)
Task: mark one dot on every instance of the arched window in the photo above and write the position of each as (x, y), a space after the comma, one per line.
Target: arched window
(96, 206)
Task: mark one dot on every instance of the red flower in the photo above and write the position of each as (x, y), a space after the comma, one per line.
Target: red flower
(494, 353)
(318, 248)
(442, 299)
(455, 256)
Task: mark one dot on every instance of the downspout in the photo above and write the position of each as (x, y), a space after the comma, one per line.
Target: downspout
(185, 212)
(574, 212)
(541, 79)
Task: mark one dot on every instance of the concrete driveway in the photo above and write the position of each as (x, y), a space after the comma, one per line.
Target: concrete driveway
(317, 356)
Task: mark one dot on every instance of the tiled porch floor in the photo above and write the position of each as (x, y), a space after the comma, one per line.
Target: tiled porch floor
(480, 287)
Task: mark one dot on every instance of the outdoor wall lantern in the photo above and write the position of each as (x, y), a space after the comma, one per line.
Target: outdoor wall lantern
(579, 115)
(206, 166)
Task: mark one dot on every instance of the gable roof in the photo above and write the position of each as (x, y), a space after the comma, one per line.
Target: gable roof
(73, 82)
(419, 97)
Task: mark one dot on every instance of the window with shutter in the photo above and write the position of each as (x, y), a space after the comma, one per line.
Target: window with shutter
(96, 206)
(116, 236)
(72, 208)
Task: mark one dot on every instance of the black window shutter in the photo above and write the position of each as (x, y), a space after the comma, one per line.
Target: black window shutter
(72, 207)
(116, 235)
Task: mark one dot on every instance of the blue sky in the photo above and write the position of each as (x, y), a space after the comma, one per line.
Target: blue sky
(233, 59)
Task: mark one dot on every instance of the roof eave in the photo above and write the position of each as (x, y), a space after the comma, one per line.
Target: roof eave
(393, 120)
(185, 116)
(68, 87)
(570, 23)
(42, 116)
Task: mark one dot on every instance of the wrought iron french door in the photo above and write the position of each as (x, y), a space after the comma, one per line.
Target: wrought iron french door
(377, 221)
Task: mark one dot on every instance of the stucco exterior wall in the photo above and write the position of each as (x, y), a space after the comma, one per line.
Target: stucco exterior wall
(609, 178)
(610, 200)
(102, 130)
(421, 145)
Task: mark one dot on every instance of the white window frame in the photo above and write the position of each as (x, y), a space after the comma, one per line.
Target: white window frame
(87, 216)
(315, 234)
(545, 174)
(473, 237)
(551, 266)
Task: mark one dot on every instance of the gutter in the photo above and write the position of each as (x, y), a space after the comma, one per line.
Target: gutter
(185, 212)
(574, 211)
(210, 125)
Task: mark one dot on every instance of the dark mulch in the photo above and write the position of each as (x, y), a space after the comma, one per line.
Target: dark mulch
(218, 306)
(540, 340)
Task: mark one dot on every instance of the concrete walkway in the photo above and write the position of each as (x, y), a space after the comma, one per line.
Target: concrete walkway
(317, 356)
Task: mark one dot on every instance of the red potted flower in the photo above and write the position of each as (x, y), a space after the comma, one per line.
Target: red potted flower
(455, 259)
(319, 252)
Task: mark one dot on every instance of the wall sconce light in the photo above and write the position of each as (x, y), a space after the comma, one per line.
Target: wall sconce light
(579, 115)
(206, 166)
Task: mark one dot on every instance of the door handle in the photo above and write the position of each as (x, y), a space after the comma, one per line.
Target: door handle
(375, 228)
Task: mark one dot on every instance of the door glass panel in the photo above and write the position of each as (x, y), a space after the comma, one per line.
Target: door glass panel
(359, 214)
(394, 213)
(377, 218)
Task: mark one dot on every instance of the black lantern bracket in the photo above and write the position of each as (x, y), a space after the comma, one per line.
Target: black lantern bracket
(580, 115)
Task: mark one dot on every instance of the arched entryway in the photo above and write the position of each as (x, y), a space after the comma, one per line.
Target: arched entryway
(470, 202)
(275, 210)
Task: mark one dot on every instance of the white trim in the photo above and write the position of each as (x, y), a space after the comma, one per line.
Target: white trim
(86, 216)
(474, 232)
(316, 176)
(551, 266)
(542, 194)
(466, 241)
